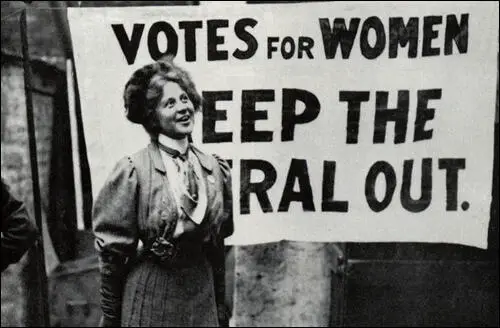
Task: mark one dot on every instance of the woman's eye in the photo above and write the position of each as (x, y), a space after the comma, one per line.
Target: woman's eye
(184, 98)
(170, 103)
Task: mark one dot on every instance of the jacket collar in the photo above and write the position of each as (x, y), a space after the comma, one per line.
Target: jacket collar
(155, 155)
(179, 145)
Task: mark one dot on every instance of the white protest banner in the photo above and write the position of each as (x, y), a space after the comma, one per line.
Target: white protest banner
(360, 122)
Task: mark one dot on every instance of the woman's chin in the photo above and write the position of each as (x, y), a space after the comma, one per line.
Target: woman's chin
(185, 128)
(180, 133)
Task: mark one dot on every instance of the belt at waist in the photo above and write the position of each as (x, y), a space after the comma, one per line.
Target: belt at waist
(177, 253)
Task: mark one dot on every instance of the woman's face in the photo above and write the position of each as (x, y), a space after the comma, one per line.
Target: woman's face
(175, 112)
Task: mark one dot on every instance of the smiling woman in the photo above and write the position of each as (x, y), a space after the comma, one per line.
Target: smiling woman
(175, 111)
(165, 197)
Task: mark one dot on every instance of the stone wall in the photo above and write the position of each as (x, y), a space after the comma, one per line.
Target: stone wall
(16, 170)
(285, 284)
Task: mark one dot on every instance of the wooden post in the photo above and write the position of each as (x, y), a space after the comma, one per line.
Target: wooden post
(37, 296)
(75, 146)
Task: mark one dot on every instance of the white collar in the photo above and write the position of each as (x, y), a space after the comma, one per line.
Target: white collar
(180, 145)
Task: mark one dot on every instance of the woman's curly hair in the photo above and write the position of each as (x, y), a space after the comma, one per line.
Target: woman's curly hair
(144, 90)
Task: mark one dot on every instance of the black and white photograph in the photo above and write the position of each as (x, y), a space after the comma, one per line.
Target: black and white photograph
(250, 163)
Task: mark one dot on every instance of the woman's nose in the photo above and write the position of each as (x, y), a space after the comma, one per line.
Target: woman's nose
(181, 108)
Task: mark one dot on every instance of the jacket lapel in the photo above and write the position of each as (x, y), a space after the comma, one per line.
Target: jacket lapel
(209, 178)
(204, 159)
(167, 207)
(154, 153)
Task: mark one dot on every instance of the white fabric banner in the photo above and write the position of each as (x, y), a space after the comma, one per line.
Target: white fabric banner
(354, 122)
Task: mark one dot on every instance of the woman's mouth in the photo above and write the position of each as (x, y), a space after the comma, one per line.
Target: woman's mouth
(184, 119)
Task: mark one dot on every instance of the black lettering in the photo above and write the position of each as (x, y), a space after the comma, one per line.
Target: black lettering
(354, 100)
(249, 115)
(189, 28)
(213, 40)
(258, 188)
(287, 54)
(248, 38)
(383, 115)
(328, 204)
(290, 118)
(457, 33)
(270, 47)
(211, 115)
(451, 165)
(129, 46)
(170, 34)
(367, 50)
(390, 183)
(338, 34)
(401, 34)
(298, 171)
(424, 113)
(417, 205)
(429, 35)
(305, 45)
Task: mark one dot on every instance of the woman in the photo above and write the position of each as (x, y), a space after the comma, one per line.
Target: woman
(173, 199)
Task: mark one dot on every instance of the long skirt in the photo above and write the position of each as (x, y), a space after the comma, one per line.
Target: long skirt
(156, 295)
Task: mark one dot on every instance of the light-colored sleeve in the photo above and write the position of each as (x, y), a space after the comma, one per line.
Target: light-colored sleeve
(114, 216)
